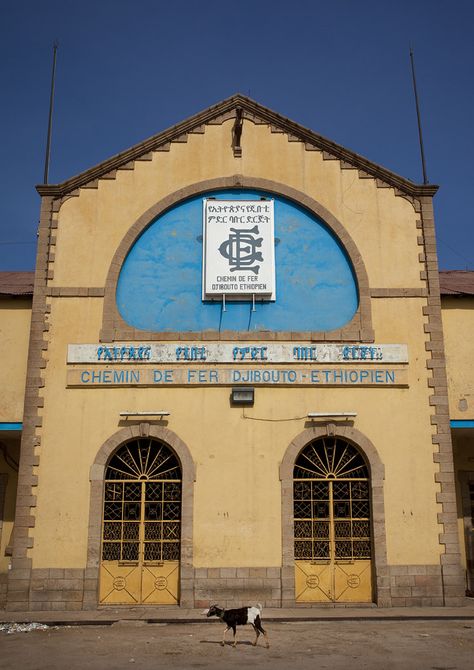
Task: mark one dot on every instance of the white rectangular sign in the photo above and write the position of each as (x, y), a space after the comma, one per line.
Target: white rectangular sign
(238, 249)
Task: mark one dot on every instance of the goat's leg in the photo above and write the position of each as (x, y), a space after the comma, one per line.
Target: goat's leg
(266, 639)
(223, 637)
(234, 628)
(260, 630)
(257, 633)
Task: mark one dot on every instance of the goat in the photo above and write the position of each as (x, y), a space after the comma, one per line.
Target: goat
(239, 617)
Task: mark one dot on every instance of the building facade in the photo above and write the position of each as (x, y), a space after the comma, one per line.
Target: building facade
(236, 384)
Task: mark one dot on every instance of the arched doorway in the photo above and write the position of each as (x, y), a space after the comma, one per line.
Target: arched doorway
(332, 523)
(141, 525)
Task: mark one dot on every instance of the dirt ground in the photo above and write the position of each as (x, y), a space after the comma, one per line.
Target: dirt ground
(417, 645)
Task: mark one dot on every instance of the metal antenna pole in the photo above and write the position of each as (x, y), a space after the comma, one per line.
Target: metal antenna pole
(50, 119)
(418, 116)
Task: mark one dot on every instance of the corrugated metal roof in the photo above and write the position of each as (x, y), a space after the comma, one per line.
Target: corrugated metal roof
(456, 282)
(17, 283)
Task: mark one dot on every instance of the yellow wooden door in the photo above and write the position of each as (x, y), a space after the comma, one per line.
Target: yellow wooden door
(313, 581)
(141, 528)
(332, 524)
(160, 583)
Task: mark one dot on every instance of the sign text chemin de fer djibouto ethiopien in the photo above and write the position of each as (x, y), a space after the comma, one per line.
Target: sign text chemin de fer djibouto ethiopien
(104, 376)
(238, 249)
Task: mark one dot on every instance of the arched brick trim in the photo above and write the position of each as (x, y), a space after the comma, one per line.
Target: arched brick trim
(377, 476)
(97, 473)
(358, 329)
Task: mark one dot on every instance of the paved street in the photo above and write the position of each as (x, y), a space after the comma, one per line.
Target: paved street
(335, 645)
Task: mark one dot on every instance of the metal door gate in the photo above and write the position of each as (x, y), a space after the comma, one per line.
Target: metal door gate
(332, 538)
(141, 526)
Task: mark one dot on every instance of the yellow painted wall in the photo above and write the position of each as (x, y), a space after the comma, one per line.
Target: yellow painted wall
(237, 514)
(104, 215)
(237, 491)
(15, 318)
(458, 327)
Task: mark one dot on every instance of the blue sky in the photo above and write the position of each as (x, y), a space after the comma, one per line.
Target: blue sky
(129, 69)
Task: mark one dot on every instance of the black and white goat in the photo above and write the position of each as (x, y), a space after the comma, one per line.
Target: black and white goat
(239, 617)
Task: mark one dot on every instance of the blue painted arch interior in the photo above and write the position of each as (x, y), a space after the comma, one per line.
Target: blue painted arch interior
(159, 285)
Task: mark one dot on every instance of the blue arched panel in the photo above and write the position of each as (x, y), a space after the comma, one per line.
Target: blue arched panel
(159, 286)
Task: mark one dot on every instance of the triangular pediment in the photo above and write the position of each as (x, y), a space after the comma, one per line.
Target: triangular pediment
(257, 113)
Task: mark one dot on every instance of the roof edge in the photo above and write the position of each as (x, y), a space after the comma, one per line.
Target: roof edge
(16, 283)
(457, 283)
(254, 108)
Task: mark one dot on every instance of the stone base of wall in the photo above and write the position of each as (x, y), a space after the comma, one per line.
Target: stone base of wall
(237, 587)
(53, 589)
(416, 586)
(75, 589)
(427, 586)
(3, 590)
(405, 586)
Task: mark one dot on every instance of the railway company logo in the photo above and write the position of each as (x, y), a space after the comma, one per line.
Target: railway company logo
(161, 583)
(241, 249)
(353, 581)
(119, 583)
(312, 581)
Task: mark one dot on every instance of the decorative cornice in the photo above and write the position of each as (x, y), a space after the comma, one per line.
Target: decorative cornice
(255, 112)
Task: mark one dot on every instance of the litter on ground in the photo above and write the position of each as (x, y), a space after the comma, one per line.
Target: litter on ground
(10, 628)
